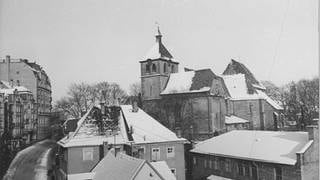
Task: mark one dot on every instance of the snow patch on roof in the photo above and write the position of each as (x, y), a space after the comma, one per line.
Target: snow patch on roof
(255, 145)
(145, 128)
(163, 169)
(234, 120)
(179, 83)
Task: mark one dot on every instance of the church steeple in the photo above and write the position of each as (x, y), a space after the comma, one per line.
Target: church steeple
(158, 35)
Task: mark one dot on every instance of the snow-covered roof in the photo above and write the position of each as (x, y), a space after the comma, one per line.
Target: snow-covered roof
(265, 146)
(117, 167)
(7, 89)
(238, 90)
(215, 177)
(81, 176)
(164, 170)
(234, 120)
(189, 82)
(145, 130)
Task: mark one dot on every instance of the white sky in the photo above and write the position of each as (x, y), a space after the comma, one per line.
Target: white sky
(91, 41)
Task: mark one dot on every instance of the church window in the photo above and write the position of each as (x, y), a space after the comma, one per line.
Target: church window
(147, 68)
(164, 67)
(154, 68)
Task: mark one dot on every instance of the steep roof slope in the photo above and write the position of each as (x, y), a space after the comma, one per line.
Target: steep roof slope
(255, 145)
(235, 67)
(189, 82)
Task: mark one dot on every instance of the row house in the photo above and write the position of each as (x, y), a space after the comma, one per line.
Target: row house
(21, 72)
(258, 155)
(128, 130)
(17, 114)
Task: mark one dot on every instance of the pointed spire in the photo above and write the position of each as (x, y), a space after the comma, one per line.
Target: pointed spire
(158, 35)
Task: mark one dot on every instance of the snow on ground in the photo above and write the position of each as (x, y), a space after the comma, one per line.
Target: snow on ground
(42, 166)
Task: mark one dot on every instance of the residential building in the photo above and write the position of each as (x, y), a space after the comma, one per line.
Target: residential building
(258, 155)
(32, 76)
(127, 129)
(116, 166)
(17, 120)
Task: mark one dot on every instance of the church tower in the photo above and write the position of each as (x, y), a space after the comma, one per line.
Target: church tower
(156, 68)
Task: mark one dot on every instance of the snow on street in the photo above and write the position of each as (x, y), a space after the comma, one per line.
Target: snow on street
(32, 162)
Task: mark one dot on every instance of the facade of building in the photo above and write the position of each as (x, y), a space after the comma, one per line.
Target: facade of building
(131, 131)
(195, 103)
(17, 117)
(248, 155)
(33, 77)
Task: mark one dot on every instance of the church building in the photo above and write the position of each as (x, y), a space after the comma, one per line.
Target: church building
(198, 104)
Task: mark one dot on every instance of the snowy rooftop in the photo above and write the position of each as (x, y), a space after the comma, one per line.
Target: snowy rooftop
(164, 170)
(145, 130)
(234, 120)
(237, 87)
(189, 82)
(215, 177)
(266, 146)
(117, 167)
(6, 88)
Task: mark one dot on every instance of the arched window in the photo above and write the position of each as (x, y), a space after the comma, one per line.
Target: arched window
(164, 67)
(154, 68)
(148, 68)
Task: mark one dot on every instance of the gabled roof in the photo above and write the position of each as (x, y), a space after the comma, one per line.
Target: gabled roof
(255, 145)
(116, 167)
(238, 89)
(158, 50)
(144, 129)
(235, 67)
(163, 169)
(189, 82)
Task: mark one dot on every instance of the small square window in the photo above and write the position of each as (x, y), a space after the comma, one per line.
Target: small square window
(173, 170)
(170, 152)
(87, 154)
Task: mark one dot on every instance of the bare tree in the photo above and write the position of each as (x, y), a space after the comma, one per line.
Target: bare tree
(81, 97)
(135, 89)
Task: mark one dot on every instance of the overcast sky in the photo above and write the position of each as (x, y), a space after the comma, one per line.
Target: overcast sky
(100, 40)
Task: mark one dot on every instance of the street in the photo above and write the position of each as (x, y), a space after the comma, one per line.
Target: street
(32, 162)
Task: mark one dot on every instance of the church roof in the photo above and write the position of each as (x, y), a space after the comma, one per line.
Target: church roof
(158, 50)
(235, 67)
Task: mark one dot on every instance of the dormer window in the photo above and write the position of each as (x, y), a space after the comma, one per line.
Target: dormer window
(154, 68)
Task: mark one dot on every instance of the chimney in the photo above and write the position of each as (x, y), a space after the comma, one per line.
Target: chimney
(135, 107)
(7, 62)
(313, 132)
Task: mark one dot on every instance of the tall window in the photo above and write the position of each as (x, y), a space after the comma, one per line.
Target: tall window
(164, 67)
(278, 173)
(215, 164)
(228, 165)
(155, 154)
(194, 160)
(147, 68)
(150, 90)
(154, 68)
(250, 108)
(172, 68)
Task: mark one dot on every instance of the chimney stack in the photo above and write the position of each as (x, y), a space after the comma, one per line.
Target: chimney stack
(135, 107)
(313, 132)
